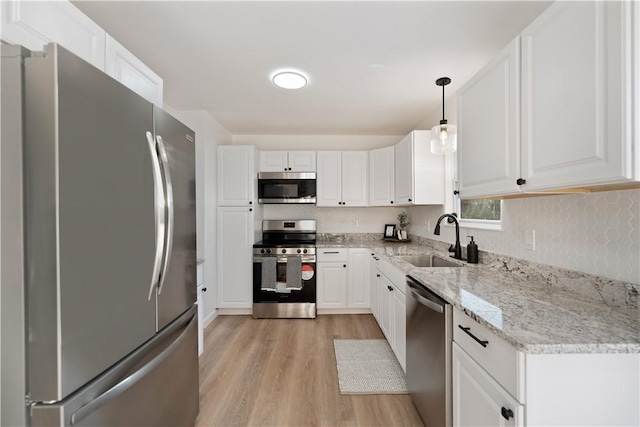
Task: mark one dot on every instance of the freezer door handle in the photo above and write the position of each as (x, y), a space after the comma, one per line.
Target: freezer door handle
(170, 214)
(159, 206)
(129, 381)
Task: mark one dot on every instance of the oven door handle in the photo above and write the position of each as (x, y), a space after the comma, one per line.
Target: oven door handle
(283, 260)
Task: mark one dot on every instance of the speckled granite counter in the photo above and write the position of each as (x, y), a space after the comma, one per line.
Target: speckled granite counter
(526, 312)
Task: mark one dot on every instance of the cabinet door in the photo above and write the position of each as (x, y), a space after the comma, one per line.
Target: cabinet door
(354, 178)
(332, 285)
(273, 161)
(385, 305)
(302, 161)
(235, 258)
(488, 127)
(381, 177)
(236, 175)
(34, 24)
(358, 284)
(123, 66)
(400, 327)
(478, 400)
(403, 171)
(577, 90)
(329, 178)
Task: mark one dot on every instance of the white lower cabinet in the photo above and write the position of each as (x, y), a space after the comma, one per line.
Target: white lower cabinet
(373, 286)
(478, 399)
(493, 383)
(332, 284)
(390, 308)
(235, 244)
(358, 295)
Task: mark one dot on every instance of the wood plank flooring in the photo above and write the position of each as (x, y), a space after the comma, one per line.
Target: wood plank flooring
(281, 372)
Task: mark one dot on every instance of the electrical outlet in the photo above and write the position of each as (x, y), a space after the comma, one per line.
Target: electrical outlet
(530, 240)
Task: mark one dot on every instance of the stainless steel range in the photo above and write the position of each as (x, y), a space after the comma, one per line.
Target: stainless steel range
(284, 270)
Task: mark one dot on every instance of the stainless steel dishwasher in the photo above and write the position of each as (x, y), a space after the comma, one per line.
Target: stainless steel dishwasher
(429, 336)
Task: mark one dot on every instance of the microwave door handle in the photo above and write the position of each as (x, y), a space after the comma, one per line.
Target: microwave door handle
(159, 206)
(170, 211)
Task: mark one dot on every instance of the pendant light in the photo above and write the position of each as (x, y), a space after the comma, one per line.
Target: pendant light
(443, 136)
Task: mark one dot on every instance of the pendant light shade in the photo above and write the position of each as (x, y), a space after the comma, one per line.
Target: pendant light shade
(443, 136)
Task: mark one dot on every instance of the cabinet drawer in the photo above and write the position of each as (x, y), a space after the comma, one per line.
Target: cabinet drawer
(332, 255)
(396, 276)
(499, 358)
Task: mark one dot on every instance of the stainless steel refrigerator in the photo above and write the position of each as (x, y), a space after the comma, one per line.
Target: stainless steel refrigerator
(99, 323)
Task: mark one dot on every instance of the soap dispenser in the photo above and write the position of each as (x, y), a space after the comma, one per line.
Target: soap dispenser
(472, 252)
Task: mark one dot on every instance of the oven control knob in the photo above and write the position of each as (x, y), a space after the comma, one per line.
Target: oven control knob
(284, 251)
(268, 251)
(298, 251)
(305, 251)
(261, 251)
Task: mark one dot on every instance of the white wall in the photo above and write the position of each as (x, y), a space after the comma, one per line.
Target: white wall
(209, 134)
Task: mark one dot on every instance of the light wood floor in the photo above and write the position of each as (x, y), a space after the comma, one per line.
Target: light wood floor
(280, 372)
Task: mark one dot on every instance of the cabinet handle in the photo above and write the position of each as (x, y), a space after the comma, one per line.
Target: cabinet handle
(506, 413)
(330, 252)
(521, 181)
(478, 340)
(377, 275)
(390, 288)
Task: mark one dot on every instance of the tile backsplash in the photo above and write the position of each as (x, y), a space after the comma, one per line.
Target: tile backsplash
(594, 233)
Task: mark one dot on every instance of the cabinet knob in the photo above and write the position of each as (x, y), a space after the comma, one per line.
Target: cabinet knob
(390, 288)
(289, 169)
(250, 210)
(506, 413)
(204, 289)
(409, 199)
(392, 202)
(521, 181)
(456, 192)
(250, 202)
(377, 275)
(344, 265)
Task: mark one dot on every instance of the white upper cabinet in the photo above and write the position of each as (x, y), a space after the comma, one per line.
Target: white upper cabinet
(287, 161)
(578, 89)
(558, 108)
(382, 177)
(237, 175)
(123, 66)
(488, 127)
(342, 178)
(419, 175)
(34, 24)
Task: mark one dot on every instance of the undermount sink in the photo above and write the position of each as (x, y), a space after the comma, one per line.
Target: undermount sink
(428, 261)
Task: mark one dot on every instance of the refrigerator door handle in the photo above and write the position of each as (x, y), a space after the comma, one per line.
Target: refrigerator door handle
(129, 381)
(159, 206)
(170, 214)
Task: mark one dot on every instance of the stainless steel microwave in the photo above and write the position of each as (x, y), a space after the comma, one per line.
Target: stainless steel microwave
(286, 187)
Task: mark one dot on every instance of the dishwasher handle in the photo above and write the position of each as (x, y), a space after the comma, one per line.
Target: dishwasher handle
(424, 296)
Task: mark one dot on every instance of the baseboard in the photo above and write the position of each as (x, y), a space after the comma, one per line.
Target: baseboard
(234, 311)
(344, 311)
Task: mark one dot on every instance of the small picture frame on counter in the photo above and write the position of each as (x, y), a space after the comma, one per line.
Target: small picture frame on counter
(389, 231)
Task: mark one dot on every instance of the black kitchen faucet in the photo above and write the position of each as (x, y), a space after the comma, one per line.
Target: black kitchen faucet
(457, 250)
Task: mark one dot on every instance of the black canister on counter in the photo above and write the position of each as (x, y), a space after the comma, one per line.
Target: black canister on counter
(472, 252)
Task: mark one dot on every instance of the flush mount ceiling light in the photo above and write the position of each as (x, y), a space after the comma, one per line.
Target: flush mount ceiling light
(289, 80)
(443, 136)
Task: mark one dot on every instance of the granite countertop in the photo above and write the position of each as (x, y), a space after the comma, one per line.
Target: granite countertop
(527, 313)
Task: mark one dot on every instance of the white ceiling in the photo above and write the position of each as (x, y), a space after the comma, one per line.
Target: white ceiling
(372, 65)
